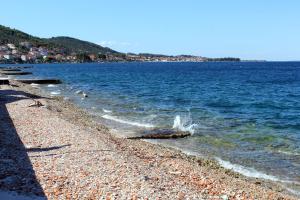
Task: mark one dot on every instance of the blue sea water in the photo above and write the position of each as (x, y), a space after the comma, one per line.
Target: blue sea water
(244, 114)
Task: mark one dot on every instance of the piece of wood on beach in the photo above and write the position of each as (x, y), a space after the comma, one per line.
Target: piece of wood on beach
(10, 70)
(39, 81)
(4, 81)
(14, 73)
(161, 134)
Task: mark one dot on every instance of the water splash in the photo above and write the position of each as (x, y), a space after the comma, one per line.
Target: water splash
(184, 124)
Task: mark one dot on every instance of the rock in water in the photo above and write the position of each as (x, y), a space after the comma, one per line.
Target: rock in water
(161, 134)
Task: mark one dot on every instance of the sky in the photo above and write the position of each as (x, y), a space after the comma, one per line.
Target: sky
(249, 29)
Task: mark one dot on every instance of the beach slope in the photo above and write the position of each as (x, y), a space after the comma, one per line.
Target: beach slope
(58, 151)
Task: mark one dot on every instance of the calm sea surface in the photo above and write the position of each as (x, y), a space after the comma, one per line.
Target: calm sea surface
(245, 115)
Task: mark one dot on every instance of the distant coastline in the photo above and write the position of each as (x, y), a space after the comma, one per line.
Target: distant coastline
(17, 47)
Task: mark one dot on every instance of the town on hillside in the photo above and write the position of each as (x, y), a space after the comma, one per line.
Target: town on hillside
(26, 52)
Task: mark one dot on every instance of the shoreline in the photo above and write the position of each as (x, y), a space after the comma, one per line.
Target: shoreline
(178, 175)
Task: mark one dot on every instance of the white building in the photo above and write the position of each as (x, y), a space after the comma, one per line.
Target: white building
(14, 51)
(11, 46)
(25, 44)
(3, 48)
(43, 51)
(24, 58)
(7, 56)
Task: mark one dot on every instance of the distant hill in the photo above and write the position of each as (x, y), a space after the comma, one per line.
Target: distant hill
(8, 35)
(79, 46)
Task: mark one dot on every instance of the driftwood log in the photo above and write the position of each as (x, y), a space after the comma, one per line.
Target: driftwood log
(39, 81)
(15, 73)
(10, 70)
(4, 81)
(161, 134)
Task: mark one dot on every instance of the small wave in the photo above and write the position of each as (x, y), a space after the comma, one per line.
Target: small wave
(51, 86)
(34, 85)
(246, 171)
(106, 111)
(292, 153)
(183, 125)
(251, 172)
(128, 122)
(296, 192)
(55, 93)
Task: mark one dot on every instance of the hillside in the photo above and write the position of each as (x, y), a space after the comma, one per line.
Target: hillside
(70, 45)
(8, 35)
(79, 46)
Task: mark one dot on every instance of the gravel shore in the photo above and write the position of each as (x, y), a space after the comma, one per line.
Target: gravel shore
(57, 151)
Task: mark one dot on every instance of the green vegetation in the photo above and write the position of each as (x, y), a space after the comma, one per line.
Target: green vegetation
(8, 35)
(65, 44)
(79, 46)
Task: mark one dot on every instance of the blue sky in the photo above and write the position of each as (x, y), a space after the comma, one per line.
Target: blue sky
(254, 29)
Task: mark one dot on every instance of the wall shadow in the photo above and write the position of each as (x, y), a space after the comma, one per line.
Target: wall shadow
(16, 170)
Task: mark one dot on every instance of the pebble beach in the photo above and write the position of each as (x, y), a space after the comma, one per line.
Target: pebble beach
(57, 151)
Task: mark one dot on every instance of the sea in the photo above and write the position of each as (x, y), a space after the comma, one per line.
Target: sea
(245, 115)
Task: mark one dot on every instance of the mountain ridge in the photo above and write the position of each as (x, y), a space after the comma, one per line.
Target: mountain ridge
(68, 44)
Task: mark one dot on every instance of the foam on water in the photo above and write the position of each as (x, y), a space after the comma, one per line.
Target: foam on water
(106, 111)
(184, 125)
(128, 122)
(289, 153)
(34, 85)
(246, 171)
(55, 93)
(51, 86)
(296, 192)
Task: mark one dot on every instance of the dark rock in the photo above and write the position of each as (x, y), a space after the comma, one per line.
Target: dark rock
(11, 69)
(39, 81)
(4, 81)
(161, 134)
(15, 73)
